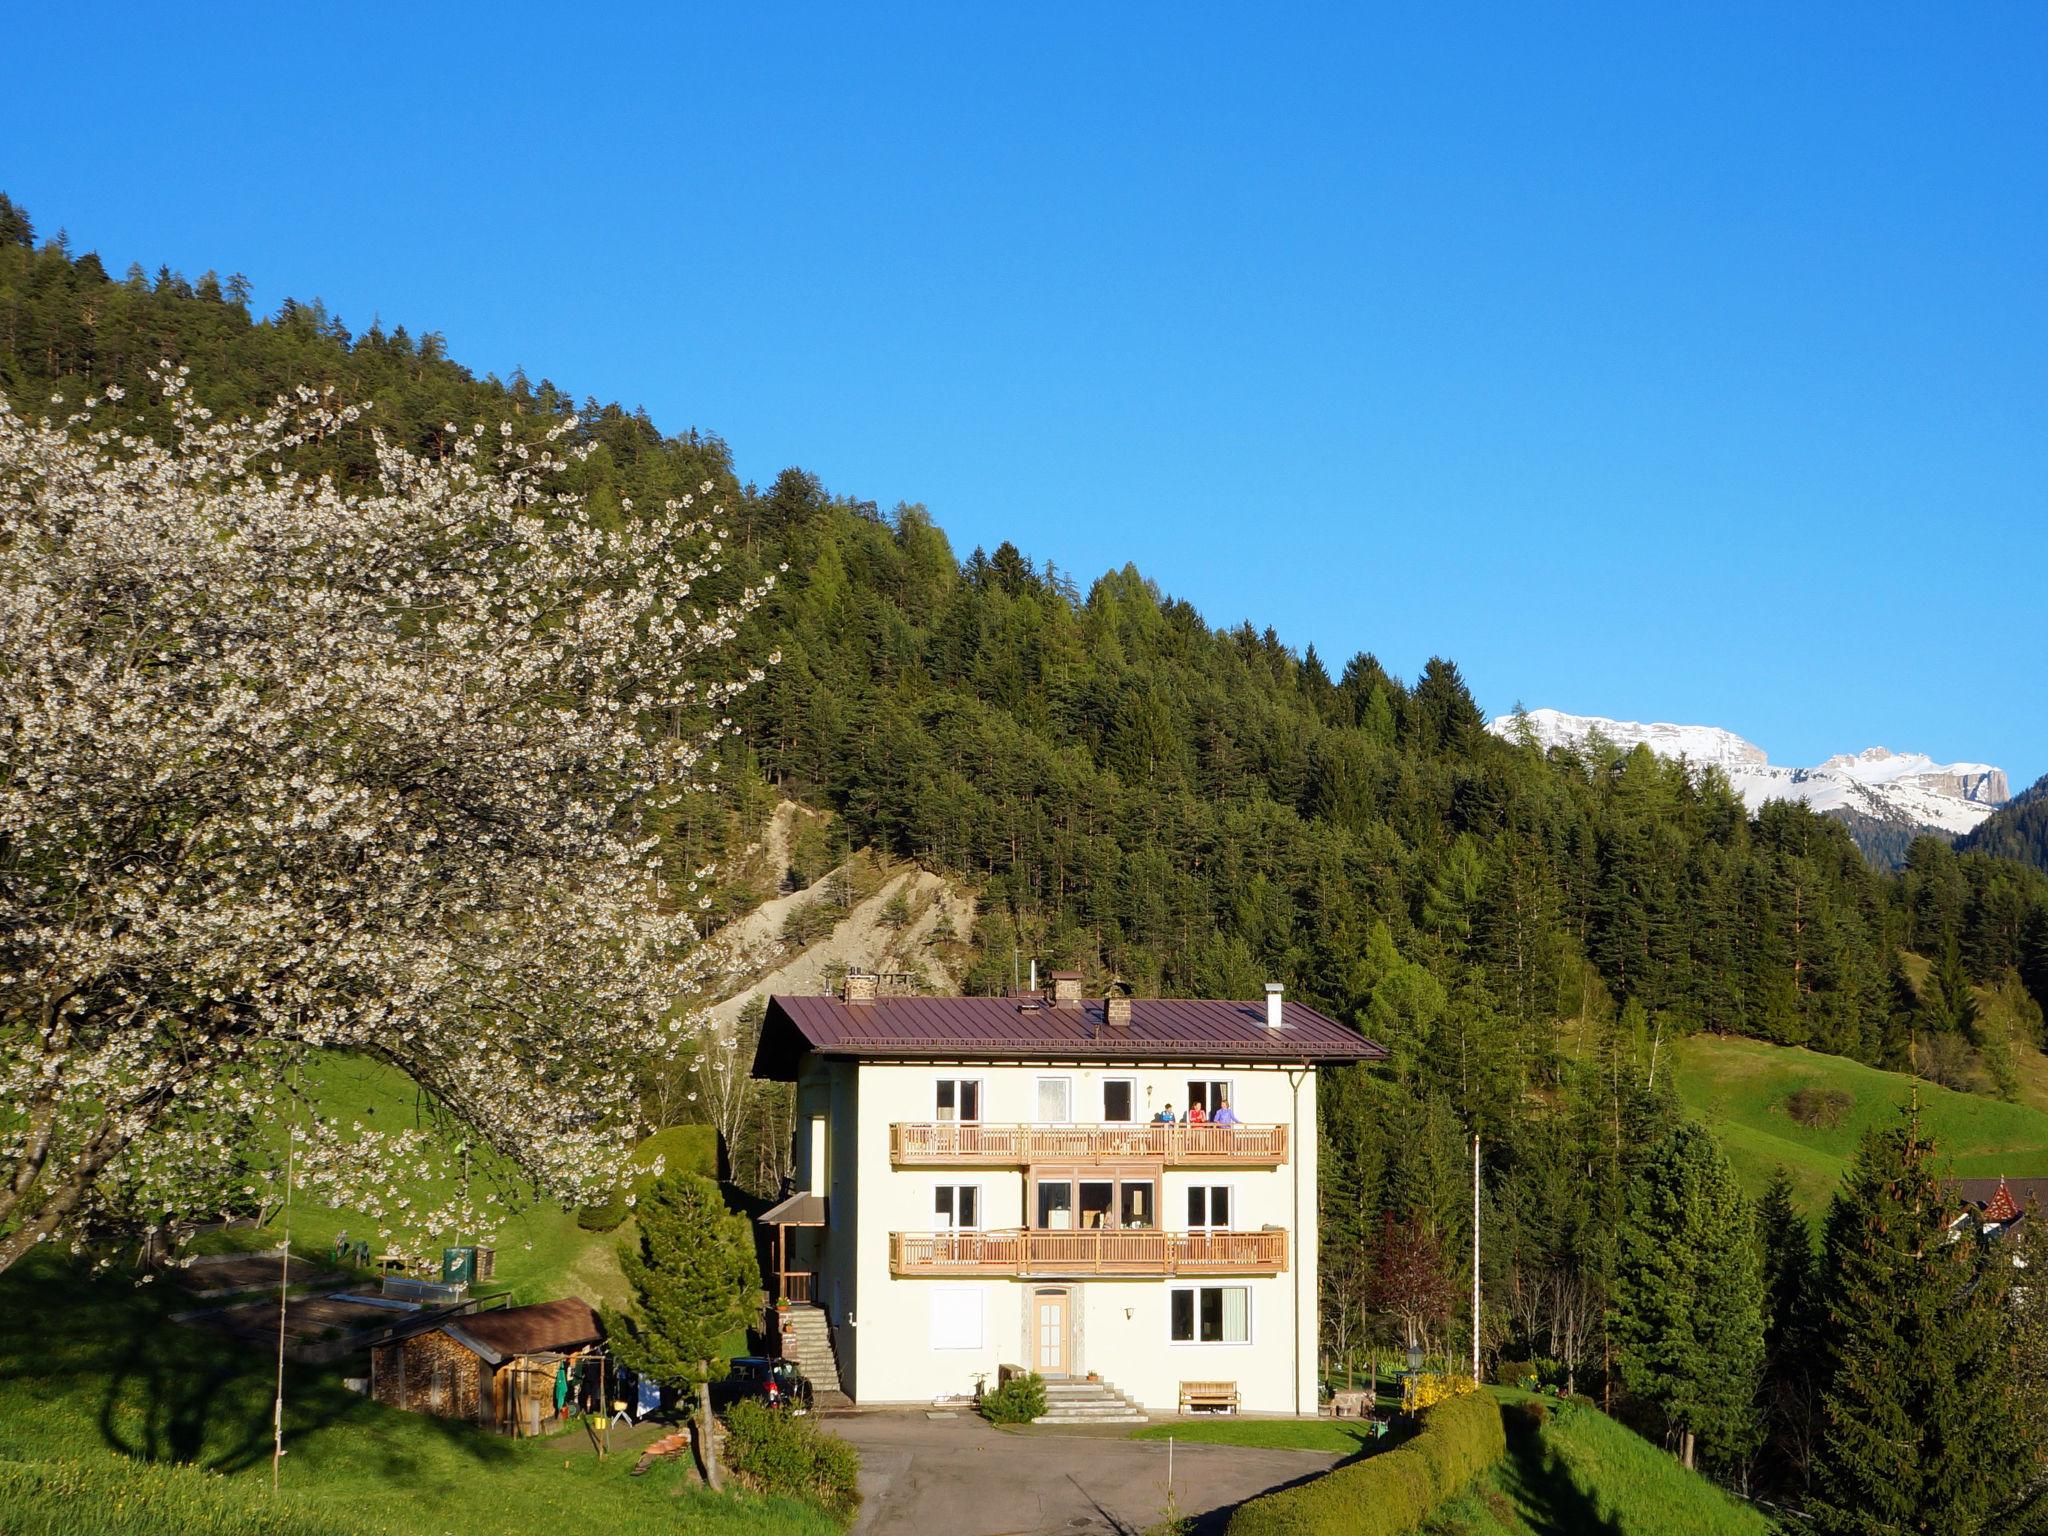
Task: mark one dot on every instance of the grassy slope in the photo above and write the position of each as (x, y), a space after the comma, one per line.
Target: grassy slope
(94, 1380)
(542, 1253)
(1582, 1474)
(1739, 1087)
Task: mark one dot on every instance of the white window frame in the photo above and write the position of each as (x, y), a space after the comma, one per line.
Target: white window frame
(1198, 1342)
(957, 1225)
(1208, 1202)
(980, 1093)
(1209, 1087)
(980, 1295)
(1038, 1105)
(1130, 1083)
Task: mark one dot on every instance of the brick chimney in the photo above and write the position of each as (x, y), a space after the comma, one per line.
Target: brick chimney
(1273, 991)
(861, 986)
(1117, 1011)
(1066, 989)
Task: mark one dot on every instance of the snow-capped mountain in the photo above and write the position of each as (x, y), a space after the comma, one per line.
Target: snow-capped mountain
(1897, 789)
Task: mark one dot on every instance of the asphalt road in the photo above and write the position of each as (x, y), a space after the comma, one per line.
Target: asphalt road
(963, 1477)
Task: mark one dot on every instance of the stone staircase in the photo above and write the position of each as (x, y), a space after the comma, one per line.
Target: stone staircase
(808, 1341)
(1087, 1402)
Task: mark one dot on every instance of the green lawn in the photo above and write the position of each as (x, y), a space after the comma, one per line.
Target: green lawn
(115, 1420)
(1739, 1088)
(542, 1252)
(1340, 1437)
(1582, 1474)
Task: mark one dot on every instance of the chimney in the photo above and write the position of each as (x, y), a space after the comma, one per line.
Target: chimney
(1273, 991)
(1066, 989)
(1034, 975)
(1117, 1011)
(861, 986)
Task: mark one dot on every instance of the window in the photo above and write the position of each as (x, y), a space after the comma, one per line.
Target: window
(1055, 1100)
(1211, 1093)
(956, 1317)
(1212, 1314)
(1209, 1205)
(1135, 1204)
(1116, 1100)
(1056, 1206)
(956, 1205)
(959, 1098)
(1096, 1195)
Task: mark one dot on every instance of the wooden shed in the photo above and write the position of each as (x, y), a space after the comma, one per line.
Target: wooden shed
(494, 1368)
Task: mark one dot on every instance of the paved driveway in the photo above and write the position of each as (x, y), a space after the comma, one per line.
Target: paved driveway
(963, 1477)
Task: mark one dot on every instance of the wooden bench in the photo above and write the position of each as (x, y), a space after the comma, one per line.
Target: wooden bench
(1211, 1396)
(1354, 1404)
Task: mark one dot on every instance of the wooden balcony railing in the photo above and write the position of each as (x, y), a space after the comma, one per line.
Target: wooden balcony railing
(1111, 1251)
(961, 1143)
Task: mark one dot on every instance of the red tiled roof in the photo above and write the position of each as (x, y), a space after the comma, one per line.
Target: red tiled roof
(1981, 1193)
(984, 1028)
(2001, 1206)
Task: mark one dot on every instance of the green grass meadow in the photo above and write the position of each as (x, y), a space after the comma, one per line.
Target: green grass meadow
(1739, 1088)
(113, 1419)
(1582, 1474)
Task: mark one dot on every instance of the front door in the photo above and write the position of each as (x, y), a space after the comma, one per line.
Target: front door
(1049, 1330)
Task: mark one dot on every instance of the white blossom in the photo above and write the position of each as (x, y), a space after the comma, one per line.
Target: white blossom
(297, 766)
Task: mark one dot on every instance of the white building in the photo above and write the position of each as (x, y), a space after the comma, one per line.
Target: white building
(988, 1181)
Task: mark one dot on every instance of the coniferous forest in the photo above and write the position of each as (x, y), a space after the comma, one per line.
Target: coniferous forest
(1184, 809)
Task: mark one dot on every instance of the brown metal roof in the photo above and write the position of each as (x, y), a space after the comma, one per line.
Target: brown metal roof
(985, 1028)
(801, 1210)
(548, 1325)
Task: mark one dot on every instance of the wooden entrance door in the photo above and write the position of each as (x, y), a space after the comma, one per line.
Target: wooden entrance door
(1050, 1343)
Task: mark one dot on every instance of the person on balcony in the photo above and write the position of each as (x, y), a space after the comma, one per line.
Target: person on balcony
(1197, 1115)
(1224, 1115)
(1164, 1117)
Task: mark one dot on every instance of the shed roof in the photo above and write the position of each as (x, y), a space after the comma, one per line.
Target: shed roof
(548, 1325)
(1029, 1028)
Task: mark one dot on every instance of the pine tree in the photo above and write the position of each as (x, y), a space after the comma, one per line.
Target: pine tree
(1791, 1333)
(1688, 1308)
(1918, 1435)
(695, 1282)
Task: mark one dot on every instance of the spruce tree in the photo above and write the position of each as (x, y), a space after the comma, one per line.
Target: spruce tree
(1791, 1332)
(1918, 1434)
(695, 1283)
(1688, 1305)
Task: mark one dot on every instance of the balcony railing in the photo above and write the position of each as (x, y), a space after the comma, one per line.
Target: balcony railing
(960, 1143)
(1111, 1251)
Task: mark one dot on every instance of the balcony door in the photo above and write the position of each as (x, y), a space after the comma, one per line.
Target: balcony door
(1050, 1344)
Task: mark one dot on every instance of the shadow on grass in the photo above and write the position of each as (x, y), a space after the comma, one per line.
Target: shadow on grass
(1212, 1522)
(1550, 1501)
(79, 1353)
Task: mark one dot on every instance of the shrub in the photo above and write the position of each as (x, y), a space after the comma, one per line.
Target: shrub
(1017, 1401)
(1820, 1109)
(1516, 1373)
(1392, 1493)
(776, 1453)
(1532, 1412)
(607, 1216)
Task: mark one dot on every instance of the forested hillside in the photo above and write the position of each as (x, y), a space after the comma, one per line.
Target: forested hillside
(2017, 830)
(1185, 809)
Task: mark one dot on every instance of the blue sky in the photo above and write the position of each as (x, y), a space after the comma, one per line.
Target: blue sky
(1654, 365)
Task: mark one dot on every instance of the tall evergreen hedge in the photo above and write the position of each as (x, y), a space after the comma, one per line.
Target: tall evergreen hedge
(1390, 1494)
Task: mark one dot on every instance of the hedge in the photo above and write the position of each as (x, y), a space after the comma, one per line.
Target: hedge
(1390, 1494)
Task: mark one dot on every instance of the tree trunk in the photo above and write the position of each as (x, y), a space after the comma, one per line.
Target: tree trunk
(707, 1440)
(1685, 1446)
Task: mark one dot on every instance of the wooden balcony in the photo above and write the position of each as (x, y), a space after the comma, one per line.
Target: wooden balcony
(966, 1144)
(1111, 1251)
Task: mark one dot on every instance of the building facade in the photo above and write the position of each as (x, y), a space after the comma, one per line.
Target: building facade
(984, 1182)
